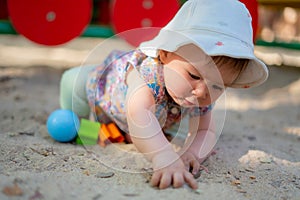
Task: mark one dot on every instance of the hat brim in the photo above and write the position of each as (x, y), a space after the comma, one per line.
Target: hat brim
(213, 43)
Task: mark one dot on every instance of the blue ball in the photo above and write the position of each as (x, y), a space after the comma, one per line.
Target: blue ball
(63, 125)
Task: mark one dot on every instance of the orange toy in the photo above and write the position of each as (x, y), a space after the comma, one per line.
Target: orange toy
(109, 133)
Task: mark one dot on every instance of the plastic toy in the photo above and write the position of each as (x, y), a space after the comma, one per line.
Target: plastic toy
(91, 133)
(109, 133)
(62, 125)
(88, 132)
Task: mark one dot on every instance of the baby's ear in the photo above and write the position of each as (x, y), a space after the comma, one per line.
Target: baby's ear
(163, 56)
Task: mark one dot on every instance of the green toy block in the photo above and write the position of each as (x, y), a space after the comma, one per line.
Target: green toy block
(88, 132)
(81, 141)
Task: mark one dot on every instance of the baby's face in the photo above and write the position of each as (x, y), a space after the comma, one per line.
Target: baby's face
(195, 84)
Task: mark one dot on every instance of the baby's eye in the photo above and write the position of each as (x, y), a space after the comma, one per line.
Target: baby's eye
(194, 76)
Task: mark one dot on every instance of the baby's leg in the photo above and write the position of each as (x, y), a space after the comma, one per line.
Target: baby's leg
(72, 90)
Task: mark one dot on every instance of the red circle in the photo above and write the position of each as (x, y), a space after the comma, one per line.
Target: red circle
(252, 6)
(50, 22)
(141, 14)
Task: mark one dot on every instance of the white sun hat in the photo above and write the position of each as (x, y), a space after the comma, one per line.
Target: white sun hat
(218, 27)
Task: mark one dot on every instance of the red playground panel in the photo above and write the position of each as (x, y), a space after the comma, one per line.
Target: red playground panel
(54, 22)
(50, 22)
(128, 17)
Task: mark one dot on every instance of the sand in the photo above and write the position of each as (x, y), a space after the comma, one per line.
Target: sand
(257, 155)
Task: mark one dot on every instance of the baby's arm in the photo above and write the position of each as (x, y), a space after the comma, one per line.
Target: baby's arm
(200, 141)
(147, 136)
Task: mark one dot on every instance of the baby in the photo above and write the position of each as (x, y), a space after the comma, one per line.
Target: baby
(204, 49)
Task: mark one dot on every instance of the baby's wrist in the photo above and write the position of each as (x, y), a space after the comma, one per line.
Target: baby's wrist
(168, 154)
(164, 159)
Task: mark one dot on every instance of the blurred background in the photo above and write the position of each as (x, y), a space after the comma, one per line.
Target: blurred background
(57, 23)
(275, 22)
(279, 22)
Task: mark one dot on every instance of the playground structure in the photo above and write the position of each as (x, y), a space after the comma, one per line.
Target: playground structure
(55, 22)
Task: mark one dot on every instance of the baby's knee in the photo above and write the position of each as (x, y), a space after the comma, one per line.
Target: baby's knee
(72, 90)
(67, 81)
(66, 89)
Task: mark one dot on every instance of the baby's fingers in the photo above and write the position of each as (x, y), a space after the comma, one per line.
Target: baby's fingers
(178, 180)
(161, 180)
(165, 181)
(189, 179)
(194, 167)
(155, 180)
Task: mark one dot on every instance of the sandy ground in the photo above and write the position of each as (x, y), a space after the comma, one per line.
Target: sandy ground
(258, 153)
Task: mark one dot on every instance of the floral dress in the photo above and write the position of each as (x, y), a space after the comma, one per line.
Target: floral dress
(106, 90)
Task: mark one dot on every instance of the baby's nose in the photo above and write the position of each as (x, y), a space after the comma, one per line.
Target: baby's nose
(200, 92)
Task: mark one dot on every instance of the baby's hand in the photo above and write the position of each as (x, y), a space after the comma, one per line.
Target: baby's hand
(191, 162)
(170, 170)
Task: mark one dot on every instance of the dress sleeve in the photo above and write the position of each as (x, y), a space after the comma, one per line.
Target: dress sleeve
(150, 71)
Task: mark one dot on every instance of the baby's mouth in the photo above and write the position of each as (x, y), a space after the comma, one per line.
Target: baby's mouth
(186, 101)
